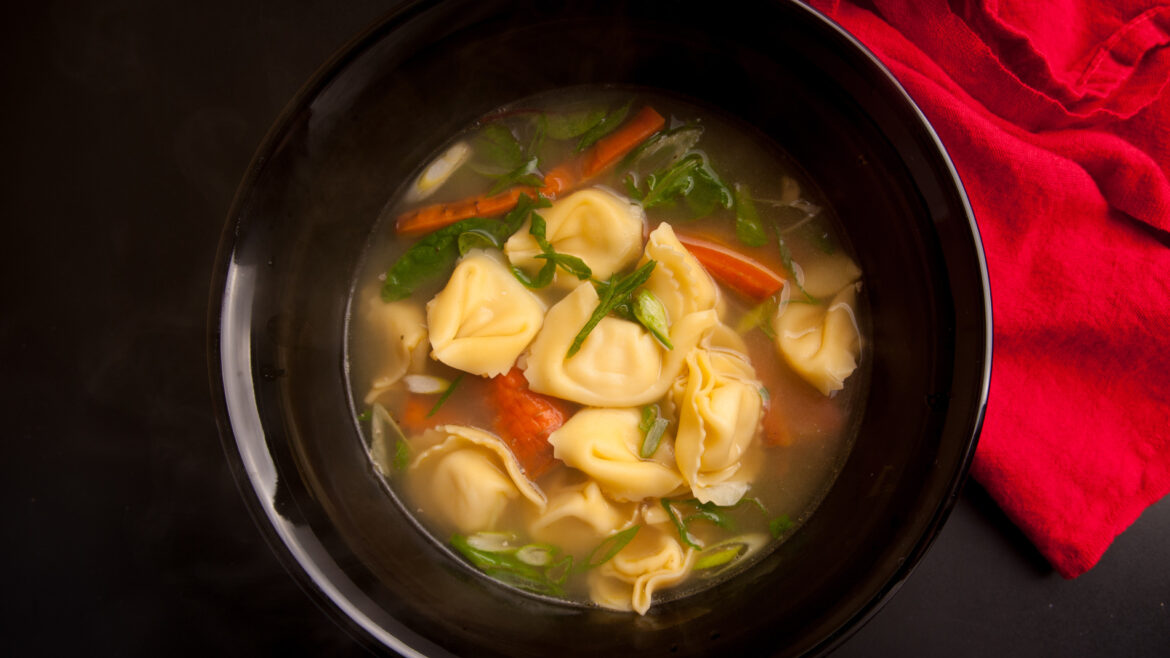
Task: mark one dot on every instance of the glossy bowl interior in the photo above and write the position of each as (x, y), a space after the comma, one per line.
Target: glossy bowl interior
(369, 119)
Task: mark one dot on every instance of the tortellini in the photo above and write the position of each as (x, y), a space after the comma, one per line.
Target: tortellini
(484, 318)
(719, 411)
(466, 477)
(678, 280)
(619, 364)
(821, 341)
(653, 560)
(579, 516)
(598, 227)
(402, 332)
(604, 444)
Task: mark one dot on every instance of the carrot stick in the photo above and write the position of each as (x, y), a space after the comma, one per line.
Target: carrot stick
(733, 269)
(563, 178)
(432, 218)
(614, 146)
(525, 419)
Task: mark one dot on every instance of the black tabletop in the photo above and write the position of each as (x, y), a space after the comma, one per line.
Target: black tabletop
(126, 127)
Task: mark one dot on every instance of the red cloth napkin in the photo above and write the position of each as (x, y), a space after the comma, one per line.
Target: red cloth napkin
(1057, 116)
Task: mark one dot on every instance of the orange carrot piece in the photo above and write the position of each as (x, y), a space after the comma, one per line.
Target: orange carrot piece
(416, 414)
(566, 176)
(614, 146)
(733, 269)
(432, 218)
(525, 419)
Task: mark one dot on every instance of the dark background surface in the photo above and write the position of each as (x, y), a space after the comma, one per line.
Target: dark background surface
(126, 127)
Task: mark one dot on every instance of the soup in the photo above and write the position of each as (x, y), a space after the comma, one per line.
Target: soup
(607, 347)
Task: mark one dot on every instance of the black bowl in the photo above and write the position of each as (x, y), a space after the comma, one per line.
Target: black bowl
(370, 117)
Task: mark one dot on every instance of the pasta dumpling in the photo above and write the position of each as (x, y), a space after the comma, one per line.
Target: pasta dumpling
(598, 227)
(719, 411)
(678, 280)
(604, 444)
(403, 334)
(821, 342)
(653, 560)
(484, 318)
(578, 516)
(466, 477)
(828, 274)
(619, 364)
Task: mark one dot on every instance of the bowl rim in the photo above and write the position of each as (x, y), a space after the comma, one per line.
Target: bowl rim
(235, 405)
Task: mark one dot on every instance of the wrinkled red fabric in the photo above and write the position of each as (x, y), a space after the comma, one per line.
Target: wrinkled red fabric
(1057, 117)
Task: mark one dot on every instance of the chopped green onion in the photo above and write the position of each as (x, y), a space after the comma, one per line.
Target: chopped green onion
(652, 315)
(446, 394)
(653, 437)
(493, 542)
(537, 555)
(610, 546)
(612, 293)
(715, 556)
(425, 384)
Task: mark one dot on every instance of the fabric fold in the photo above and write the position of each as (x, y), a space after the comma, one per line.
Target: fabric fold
(1056, 116)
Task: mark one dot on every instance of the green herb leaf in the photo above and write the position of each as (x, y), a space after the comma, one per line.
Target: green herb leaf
(435, 254)
(603, 127)
(364, 416)
(477, 239)
(527, 173)
(609, 547)
(652, 315)
(446, 394)
(780, 525)
(611, 293)
(748, 227)
(571, 264)
(661, 149)
(569, 125)
(497, 150)
(691, 178)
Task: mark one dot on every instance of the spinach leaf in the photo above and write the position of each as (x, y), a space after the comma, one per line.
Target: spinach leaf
(662, 148)
(691, 178)
(435, 254)
(602, 128)
(497, 150)
(569, 125)
(748, 227)
(527, 173)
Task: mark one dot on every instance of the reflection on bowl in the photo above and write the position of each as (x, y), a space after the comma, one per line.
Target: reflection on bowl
(390, 100)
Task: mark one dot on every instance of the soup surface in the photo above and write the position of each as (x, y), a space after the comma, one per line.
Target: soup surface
(608, 347)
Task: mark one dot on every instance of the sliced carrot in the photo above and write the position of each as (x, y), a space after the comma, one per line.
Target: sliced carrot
(741, 273)
(432, 218)
(795, 410)
(563, 178)
(416, 414)
(614, 146)
(525, 419)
